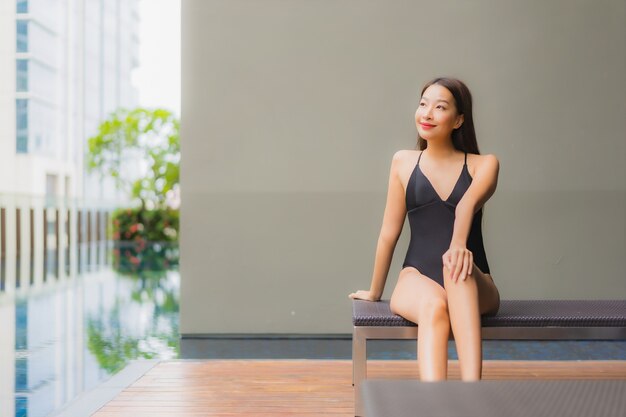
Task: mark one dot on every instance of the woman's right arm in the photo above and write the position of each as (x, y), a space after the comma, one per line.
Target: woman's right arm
(393, 220)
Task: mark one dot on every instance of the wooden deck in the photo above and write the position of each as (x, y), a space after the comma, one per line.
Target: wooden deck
(299, 387)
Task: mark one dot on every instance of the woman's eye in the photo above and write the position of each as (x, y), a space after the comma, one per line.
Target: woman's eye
(441, 107)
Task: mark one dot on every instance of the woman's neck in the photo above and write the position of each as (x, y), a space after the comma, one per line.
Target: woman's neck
(440, 150)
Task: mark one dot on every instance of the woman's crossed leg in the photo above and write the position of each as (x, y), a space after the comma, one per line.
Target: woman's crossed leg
(423, 301)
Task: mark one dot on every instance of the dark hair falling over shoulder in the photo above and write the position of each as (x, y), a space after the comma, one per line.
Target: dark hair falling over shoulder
(463, 138)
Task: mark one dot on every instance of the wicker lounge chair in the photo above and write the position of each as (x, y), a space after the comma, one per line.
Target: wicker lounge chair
(516, 319)
(511, 398)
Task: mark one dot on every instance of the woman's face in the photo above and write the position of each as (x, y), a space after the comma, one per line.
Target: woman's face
(436, 115)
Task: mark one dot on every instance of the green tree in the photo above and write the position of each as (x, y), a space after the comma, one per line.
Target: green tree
(145, 137)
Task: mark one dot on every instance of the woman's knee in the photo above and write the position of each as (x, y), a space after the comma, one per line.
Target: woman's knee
(434, 310)
(447, 277)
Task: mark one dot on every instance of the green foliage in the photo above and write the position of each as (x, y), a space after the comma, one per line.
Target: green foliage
(136, 137)
(146, 260)
(146, 287)
(111, 342)
(142, 226)
(113, 349)
(145, 240)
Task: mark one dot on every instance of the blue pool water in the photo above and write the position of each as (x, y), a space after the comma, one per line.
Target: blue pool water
(65, 334)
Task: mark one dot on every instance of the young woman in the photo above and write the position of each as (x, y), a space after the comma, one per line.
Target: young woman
(445, 284)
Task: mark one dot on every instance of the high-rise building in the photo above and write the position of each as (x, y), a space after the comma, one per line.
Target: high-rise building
(65, 65)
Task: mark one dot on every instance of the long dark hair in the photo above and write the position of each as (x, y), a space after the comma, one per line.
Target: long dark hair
(463, 138)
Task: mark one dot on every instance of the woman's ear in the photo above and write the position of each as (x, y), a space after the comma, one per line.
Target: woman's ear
(459, 121)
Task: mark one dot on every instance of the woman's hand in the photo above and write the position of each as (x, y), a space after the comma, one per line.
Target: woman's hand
(459, 260)
(363, 295)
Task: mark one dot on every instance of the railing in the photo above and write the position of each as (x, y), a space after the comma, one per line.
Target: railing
(43, 240)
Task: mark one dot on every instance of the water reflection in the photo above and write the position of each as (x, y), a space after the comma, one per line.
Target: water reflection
(64, 336)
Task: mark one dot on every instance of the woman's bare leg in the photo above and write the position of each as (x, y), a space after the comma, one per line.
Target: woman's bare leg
(467, 300)
(421, 300)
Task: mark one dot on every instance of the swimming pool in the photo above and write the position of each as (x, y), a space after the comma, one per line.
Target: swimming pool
(67, 331)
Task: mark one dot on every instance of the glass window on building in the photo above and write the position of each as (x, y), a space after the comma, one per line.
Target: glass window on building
(36, 124)
(22, 36)
(42, 126)
(43, 80)
(22, 6)
(21, 115)
(42, 43)
(22, 74)
(48, 12)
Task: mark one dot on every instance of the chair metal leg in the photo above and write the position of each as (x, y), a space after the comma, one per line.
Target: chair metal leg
(359, 367)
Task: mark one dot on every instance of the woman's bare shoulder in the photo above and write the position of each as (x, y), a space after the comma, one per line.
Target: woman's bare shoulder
(404, 155)
(487, 158)
(403, 163)
(486, 161)
(403, 160)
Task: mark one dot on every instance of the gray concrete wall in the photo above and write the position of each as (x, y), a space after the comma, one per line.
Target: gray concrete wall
(292, 109)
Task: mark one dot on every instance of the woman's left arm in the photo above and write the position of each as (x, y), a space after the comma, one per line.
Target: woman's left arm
(458, 258)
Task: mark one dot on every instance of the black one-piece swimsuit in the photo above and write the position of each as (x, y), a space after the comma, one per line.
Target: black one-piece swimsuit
(432, 223)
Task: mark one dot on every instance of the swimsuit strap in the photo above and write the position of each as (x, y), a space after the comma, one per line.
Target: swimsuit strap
(465, 163)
